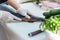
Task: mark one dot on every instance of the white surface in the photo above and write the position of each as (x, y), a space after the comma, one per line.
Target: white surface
(22, 29)
(34, 9)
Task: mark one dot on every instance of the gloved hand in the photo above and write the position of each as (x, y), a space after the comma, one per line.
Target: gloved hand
(23, 12)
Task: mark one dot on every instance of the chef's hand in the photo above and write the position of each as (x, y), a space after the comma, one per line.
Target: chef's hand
(23, 12)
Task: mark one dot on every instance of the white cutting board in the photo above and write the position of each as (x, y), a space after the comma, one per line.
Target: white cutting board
(23, 28)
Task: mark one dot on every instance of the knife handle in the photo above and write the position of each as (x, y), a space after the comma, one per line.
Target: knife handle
(34, 33)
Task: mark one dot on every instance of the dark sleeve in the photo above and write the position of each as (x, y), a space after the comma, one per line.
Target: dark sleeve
(2, 1)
